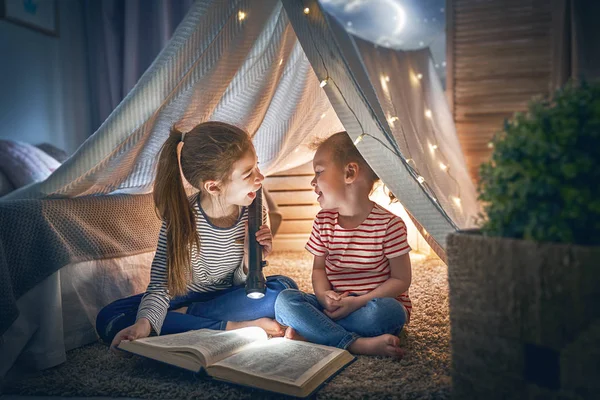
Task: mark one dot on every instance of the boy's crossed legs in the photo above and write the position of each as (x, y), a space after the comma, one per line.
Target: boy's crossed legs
(370, 330)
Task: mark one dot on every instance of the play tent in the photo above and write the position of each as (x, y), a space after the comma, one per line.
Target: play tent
(283, 71)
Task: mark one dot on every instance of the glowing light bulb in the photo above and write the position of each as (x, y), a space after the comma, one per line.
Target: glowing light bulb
(359, 139)
(443, 166)
(456, 201)
(420, 76)
(241, 15)
(433, 147)
(384, 80)
(324, 82)
(428, 113)
(420, 179)
(490, 145)
(306, 10)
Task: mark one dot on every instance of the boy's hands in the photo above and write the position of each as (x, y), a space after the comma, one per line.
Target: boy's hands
(140, 329)
(347, 305)
(331, 300)
(265, 238)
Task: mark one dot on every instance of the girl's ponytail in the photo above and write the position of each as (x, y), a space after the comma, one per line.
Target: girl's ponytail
(174, 208)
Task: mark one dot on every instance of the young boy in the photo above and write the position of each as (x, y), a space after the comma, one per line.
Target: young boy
(361, 270)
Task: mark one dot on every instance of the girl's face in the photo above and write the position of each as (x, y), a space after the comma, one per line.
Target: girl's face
(246, 179)
(329, 181)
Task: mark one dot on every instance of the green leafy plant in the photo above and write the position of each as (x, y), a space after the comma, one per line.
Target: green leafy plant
(543, 180)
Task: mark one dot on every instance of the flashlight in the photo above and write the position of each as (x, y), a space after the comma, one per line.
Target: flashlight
(255, 281)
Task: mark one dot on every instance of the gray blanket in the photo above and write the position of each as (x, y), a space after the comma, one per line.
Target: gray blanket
(38, 237)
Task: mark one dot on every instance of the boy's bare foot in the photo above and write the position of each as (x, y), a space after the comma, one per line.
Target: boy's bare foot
(270, 326)
(290, 333)
(384, 345)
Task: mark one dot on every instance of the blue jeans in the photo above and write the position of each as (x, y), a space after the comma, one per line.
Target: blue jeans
(210, 310)
(304, 313)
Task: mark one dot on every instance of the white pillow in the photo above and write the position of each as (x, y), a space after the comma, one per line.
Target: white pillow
(5, 185)
(23, 163)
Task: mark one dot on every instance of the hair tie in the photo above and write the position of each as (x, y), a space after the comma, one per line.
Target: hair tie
(182, 136)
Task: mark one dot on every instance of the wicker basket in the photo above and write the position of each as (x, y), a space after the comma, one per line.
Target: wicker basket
(525, 318)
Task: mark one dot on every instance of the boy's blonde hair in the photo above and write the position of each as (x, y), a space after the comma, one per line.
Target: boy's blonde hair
(344, 152)
(208, 152)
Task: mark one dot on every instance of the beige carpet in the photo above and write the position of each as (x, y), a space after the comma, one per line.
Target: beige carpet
(424, 373)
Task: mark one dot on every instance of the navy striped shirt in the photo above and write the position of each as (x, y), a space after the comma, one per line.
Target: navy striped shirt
(217, 266)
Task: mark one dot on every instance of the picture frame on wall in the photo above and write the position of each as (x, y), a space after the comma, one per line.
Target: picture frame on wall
(40, 15)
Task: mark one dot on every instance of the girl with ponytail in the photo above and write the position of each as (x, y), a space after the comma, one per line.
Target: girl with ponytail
(198, 272)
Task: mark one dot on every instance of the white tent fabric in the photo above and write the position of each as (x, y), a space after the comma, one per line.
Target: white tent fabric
(242, 62)
(216, 67)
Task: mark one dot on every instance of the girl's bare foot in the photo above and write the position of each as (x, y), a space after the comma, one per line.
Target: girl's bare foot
(384, 345)
(290, 333)
(272, 327)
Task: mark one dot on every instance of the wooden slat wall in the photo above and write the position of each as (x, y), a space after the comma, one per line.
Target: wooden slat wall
(297, 203)
(499, 56)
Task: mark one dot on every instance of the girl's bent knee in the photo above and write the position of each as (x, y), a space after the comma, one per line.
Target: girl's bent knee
(281, 282)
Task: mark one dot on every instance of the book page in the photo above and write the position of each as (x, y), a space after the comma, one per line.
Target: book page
(283, 360)
(213, 345)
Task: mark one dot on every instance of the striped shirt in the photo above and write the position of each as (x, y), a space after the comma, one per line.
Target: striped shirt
(357, 260)
(217, 266)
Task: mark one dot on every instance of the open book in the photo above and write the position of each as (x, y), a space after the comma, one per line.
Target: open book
(248, 357)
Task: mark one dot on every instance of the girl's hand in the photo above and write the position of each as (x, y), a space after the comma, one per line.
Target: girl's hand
(265, 239)
(140, 329)
(347, 306)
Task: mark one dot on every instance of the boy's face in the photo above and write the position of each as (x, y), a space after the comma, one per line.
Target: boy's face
(328, 181)
(246, 179)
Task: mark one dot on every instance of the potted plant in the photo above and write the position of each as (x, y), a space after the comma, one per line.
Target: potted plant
(525, 288)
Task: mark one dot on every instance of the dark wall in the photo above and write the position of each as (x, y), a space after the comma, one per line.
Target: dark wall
(44, 94)
(588, 39)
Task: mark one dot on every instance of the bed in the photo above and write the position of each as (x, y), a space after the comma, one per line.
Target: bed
(59, 262)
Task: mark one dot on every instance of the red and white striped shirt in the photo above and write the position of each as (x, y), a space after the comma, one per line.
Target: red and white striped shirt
(357, 260)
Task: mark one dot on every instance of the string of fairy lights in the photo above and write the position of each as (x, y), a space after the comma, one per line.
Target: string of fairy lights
(444, 166)
(434, 148)
(392, 145)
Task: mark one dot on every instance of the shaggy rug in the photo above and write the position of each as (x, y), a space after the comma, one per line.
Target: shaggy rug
(424, 372)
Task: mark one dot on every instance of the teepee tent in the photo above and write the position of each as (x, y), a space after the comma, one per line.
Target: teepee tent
(283, 71)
